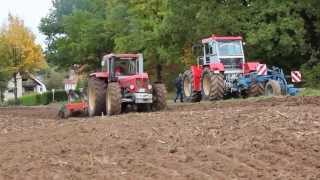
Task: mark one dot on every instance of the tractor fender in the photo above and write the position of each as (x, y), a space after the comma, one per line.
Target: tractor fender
(103, 75)
(217, 67)
(197, 72)
(250, 67)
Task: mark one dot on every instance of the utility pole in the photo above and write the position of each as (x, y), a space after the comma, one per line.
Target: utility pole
(16, 56)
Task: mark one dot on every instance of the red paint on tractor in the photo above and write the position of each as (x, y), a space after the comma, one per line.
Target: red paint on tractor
(217, 67)
(221, 38)
(100, 74)
(250, 67)
(123, 56)
(138, 81)
(77, 106)
(197, 72)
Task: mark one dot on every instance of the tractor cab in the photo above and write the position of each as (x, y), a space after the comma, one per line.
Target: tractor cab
(226, 50)
(121, 65)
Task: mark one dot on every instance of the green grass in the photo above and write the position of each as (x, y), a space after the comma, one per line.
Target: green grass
(310, 92)
(171, 95)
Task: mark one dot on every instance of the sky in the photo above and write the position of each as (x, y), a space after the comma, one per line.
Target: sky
(31, 11)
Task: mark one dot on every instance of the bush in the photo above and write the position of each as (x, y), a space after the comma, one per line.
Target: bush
(310, 92)
(12, 102)
(59, 96)
(311, 76)
(41, 99)
(29, 100)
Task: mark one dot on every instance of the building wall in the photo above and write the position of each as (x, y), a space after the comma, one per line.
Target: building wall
(9, 93)
(68, 87)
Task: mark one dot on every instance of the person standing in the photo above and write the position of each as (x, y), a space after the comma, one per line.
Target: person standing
(179, 84)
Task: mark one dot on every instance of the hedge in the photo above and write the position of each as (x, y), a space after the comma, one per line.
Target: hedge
(40, 99)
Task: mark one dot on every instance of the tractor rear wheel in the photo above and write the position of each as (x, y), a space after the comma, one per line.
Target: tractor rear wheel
(217, 87)
(113, 99)
(256, 89)
(159, 97)
(96, 96)
(206, 84)
(273, 88)
(188, 90)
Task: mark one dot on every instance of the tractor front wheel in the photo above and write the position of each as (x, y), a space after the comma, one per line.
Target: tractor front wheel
(113, 99)
(188, 90)
(96, 96)
(217, 87)
(206, 84)
(273, 88)
(159, 97)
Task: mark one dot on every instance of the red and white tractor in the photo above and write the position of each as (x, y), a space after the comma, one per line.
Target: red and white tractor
(122, 82)
(220, 65)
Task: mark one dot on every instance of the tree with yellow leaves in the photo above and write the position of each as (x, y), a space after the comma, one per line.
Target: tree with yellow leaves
(19, 52)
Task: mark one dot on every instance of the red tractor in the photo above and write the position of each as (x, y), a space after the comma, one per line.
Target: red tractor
(122, 83)
(219, 67)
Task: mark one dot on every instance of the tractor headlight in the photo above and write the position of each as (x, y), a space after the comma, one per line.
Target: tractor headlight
(131, 87)
(149, 86)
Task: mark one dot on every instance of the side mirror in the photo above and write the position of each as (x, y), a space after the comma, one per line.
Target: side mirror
(196, 49)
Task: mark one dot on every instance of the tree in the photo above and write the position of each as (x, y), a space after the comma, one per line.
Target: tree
(282, 33)
(76, 33)
(19, 48)
(54, 78)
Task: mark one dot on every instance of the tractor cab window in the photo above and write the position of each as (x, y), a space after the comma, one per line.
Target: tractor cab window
(104, 65)
(212, 49)
(125, 67)
(230, 48)
(208, 48)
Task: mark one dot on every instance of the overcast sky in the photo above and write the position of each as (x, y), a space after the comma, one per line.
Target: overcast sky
(31, 11)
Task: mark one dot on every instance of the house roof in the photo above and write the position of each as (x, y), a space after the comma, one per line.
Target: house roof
(36, 80)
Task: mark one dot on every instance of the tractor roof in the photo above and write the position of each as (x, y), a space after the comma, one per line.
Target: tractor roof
(123, 56)
(221, 38)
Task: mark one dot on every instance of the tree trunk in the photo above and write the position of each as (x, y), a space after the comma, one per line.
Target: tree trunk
(159, 73)
(1, 95)
(15, 91)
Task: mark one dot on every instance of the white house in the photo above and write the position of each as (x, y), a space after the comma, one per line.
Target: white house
(72, 81)
(30, 84)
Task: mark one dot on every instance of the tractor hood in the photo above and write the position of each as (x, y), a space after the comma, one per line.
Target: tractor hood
(134, 82)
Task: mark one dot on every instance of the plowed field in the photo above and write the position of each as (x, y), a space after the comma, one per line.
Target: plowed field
(267, 139)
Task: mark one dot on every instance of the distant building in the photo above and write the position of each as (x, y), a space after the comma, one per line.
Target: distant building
(25, 85)
(72, 81)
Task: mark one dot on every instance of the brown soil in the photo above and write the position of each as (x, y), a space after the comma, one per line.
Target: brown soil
(251, 139)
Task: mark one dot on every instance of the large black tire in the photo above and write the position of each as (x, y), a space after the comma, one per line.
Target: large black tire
(256, 89)
(217, 87)
(96, 96)
(189, 93)
(159, 97)
(206, 84)
(273, 88)
(113, 99)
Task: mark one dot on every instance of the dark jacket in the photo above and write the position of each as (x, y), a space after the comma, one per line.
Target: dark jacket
(178, 83)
